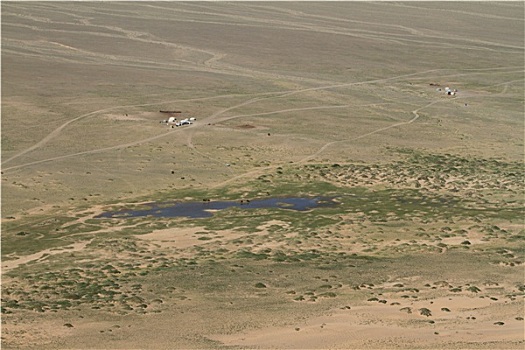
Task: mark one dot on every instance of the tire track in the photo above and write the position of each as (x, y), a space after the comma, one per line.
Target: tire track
(263, 170)
(211, 158)
(325, 146)
(58, 130)
(212, 118)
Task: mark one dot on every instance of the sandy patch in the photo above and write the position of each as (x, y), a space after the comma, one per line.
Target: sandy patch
(44, 254)
(176, 237)
(26, 332)
(187, 237)
(379, 326)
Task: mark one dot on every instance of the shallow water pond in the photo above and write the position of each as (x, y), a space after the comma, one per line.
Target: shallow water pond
(203, 209)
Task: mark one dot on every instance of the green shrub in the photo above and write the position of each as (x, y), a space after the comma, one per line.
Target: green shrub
(425, 312)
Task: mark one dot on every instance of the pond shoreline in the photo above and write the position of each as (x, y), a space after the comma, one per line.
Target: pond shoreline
(206, 208)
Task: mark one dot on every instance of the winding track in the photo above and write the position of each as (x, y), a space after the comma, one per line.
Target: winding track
(213, 118)
(259, 171)
(323, 24)
(298, 21)
(325, 146)
(58, 130)
(216, 117)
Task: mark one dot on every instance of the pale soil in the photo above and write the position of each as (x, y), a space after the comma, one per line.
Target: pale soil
(41, 256)
(359, 327)
(384, 326)
(470, 323)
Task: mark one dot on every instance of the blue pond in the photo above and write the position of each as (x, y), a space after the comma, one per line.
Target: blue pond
(206, 208)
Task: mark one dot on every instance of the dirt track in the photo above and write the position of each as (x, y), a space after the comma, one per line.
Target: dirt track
(215, 118)
(422, 251)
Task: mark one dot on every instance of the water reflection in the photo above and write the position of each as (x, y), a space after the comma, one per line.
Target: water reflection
(206, 208)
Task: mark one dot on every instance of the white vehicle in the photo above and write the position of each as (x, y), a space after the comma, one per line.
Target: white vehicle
(186, 121)
(450, 91)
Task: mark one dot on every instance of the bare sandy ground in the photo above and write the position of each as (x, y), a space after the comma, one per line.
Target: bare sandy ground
(185, 237)
(42, 255)
(386, 327)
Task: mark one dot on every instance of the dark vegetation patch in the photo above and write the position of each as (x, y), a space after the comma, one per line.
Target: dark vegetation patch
(455, 196)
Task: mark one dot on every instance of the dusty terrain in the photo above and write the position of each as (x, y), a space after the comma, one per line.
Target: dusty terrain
(340, 99)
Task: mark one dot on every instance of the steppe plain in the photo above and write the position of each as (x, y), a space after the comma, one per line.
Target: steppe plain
(425, 248)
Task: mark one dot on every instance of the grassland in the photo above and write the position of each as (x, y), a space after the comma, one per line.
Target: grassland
(425, 248)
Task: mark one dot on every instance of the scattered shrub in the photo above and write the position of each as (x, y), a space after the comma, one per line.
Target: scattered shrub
(425, 312)
(474, 289)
